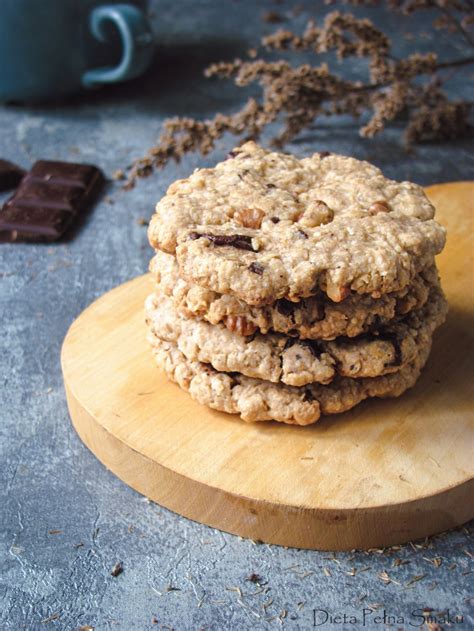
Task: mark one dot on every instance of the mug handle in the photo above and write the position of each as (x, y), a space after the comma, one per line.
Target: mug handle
(137, 41)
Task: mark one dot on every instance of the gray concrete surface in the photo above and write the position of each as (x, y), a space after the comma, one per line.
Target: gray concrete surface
(65, 519)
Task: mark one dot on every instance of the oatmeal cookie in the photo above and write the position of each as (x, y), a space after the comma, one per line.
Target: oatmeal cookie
(316, 317)
(275, 357)
(257, 400)
(263, 226)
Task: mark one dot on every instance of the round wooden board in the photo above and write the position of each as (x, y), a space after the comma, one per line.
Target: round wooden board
(387, 472)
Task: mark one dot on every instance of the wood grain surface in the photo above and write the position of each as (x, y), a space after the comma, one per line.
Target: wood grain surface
(386, 472)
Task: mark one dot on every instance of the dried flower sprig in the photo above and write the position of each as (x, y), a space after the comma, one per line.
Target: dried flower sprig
(294, 96)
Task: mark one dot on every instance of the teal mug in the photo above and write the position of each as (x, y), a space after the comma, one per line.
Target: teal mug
(52, 48)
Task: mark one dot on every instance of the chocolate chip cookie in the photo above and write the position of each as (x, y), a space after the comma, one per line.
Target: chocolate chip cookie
(257, 400)
(265, 226)
(275, 357)
(316, 317)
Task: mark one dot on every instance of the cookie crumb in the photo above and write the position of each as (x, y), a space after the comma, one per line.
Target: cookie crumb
(117, 569)
(118, 175)
(272, 17)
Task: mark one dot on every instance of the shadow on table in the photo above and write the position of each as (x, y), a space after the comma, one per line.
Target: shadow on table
(174, 85)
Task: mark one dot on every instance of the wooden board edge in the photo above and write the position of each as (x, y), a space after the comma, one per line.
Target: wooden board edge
(329, 529)
(429, 188)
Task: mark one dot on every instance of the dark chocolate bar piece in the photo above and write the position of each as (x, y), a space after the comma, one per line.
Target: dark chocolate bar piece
(10, 175)
(48, 200)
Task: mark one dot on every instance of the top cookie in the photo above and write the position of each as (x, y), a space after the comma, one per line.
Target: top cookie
(264, 226)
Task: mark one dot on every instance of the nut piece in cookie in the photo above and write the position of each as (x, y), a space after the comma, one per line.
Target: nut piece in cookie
(249, 217)
(316, 214)
(238, 324)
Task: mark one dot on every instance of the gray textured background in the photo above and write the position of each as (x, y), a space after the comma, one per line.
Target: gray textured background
(177, 574)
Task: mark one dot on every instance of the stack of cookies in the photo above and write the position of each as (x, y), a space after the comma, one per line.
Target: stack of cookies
(287, 289)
